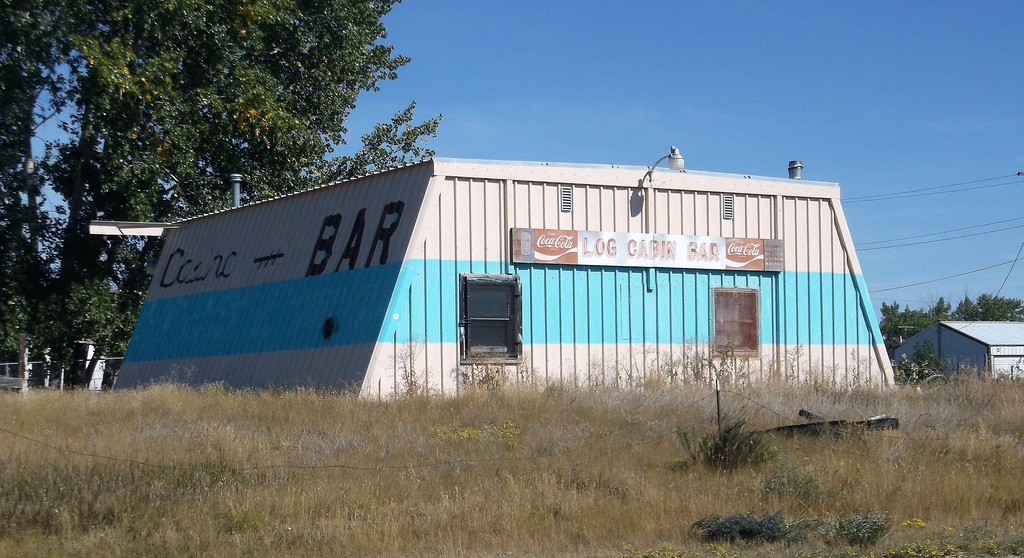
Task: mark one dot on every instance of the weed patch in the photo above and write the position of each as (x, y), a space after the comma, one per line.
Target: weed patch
(735, 446)
(508, 434)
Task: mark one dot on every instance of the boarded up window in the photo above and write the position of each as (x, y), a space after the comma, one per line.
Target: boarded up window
(736, 321)
(491, 317)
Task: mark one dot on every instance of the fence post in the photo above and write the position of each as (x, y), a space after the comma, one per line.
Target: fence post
(23, 362)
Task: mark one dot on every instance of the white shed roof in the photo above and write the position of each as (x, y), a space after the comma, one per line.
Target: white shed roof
(991, 333)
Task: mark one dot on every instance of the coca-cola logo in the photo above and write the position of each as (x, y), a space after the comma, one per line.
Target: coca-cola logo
(555, 246)
(744, 253)
(558, 242)
(750, 249)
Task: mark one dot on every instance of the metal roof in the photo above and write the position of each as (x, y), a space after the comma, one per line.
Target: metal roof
(991, 333)
(584, 172)
(626, 175)
(301, 192)
(604, 166)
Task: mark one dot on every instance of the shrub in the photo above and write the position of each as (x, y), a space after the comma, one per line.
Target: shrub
(735, 446)
(921, 367)
(747, 527)
(859, 529)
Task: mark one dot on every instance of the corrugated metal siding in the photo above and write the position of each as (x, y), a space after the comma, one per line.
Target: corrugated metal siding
(959, 350)
(700, 213)
(264, 305)
(457, 232)
(1010, 366)
(611, 325)
(825, 301)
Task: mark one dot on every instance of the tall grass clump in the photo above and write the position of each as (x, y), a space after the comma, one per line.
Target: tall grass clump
(733, 447)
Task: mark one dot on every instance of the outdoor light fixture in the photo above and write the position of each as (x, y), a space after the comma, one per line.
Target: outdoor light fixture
(675, 160)
(646, 184)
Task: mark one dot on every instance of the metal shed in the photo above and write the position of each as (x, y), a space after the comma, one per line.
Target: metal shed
(991, 347)
(454, 271)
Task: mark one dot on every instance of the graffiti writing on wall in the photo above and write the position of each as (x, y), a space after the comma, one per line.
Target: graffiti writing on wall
(323, 249)
(183, 270)
(268, 260)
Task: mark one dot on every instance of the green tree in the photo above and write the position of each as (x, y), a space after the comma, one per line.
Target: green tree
(989, 308)
(157, 103)
(30, 89)
(1000, 309)
(966, 310)
(941, 310)
(898, 325)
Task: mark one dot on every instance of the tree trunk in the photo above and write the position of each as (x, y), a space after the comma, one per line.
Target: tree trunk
(31, 184)
(74, 231)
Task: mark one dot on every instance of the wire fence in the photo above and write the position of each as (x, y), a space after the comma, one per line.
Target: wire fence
(96, 374)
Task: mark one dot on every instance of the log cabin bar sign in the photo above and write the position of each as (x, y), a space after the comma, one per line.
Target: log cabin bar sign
(562, 247)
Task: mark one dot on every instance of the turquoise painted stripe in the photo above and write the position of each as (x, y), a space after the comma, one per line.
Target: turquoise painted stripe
(278, 316)
(561, 304)
(571, 304)
(873, 323)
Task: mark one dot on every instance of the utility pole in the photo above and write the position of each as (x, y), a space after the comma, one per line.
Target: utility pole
(904, 328)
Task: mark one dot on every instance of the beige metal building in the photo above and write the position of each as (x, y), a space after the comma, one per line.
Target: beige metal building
(454, 271)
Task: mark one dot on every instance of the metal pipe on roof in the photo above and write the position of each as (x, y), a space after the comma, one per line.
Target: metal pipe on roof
(796, 170)
(236, 180)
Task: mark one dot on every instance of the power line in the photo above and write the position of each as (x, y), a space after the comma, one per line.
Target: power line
(1005, 279)
(935, 190)
(938, 239)
(941, 232)
(1018, 258)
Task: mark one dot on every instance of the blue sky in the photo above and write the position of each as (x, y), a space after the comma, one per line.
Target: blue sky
(881, 97)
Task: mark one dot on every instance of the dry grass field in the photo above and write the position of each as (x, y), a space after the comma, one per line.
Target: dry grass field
(169, 471)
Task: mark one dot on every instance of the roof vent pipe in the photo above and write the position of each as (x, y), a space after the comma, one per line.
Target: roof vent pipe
(235, 179)
(796, 169)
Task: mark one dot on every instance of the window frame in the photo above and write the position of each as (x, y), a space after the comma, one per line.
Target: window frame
(513, 318)
(721, 343)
